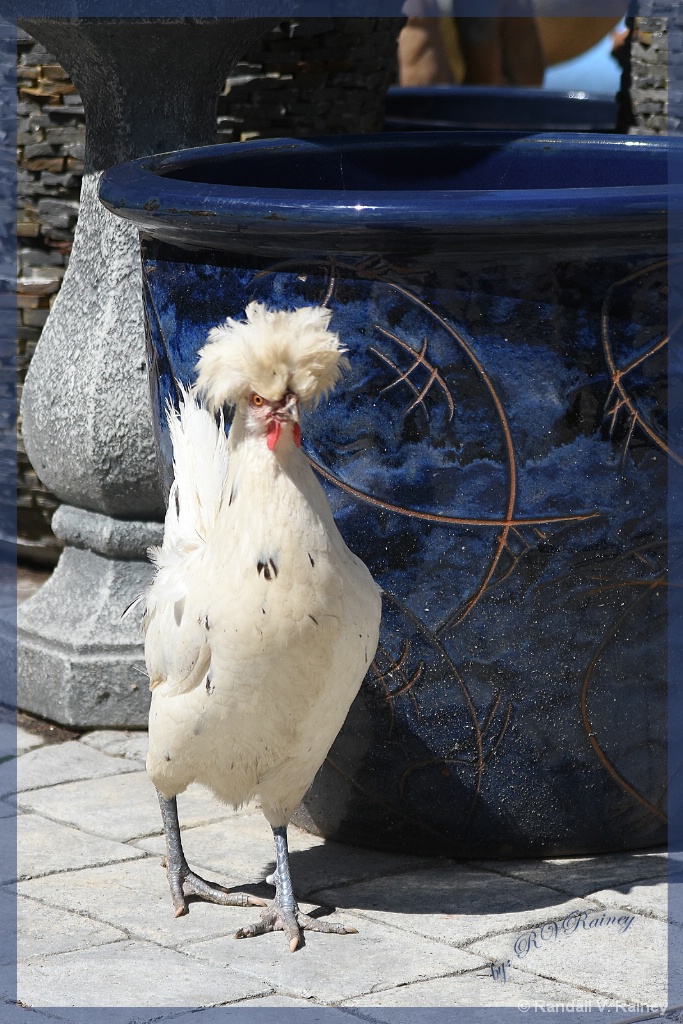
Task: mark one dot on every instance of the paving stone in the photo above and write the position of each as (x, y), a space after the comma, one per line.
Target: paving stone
(454, 905)
(580, 876)
(621, 955)
(27, 740)
(44, 847)
(15, 740)
(243, 845)
(134, 896)
(480, 989)
(57, 763)
(43, 930)
(130, 974)
(649, 899)
(94, 935)
(121, 807)
(332, 968)
(128, 744)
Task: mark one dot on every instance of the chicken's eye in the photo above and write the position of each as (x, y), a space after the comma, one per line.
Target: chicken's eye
(256, 400)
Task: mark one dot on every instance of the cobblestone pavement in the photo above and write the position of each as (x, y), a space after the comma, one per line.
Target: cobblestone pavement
(96, 927)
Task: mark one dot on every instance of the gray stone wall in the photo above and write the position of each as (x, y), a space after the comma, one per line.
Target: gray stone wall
(317, 76)
(649, 76)
(656, 83)
(313, 77)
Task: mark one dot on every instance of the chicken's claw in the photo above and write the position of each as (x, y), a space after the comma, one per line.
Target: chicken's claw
(276, 918)
(188, 883)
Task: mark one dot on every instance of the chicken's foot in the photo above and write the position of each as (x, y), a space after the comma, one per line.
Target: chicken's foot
(184, 882)
(282, 913)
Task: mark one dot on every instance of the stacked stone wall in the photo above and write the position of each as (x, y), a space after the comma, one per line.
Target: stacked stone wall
(649, 76)
(313, 77)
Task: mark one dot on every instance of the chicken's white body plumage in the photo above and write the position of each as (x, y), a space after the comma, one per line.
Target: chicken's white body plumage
(260, 624)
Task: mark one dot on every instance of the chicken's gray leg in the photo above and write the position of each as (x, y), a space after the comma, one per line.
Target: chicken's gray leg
(283, 913)
(184, 882)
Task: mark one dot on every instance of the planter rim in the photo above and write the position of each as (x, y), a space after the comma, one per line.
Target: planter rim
(513, 92)
(263, 219)
(498, 108)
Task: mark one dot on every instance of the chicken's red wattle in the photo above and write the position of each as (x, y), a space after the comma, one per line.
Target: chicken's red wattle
(273, 434)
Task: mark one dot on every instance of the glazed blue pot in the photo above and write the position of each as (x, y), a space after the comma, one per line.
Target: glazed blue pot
(498, 456)
(451, 107)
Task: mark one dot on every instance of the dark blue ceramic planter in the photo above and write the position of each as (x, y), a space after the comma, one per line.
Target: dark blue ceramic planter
(450, 107)
(498, 456)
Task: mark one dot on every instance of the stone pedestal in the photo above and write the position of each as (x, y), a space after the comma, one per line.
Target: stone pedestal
(80, 660)
(147, 86)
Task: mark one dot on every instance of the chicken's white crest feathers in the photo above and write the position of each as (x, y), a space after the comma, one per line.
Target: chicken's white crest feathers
(271, 353)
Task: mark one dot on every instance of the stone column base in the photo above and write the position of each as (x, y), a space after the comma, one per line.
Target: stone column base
(78, 662)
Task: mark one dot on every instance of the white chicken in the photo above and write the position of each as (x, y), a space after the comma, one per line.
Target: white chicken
(260, 623)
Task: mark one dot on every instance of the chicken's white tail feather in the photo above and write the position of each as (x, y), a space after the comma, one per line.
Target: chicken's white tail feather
(200, 464)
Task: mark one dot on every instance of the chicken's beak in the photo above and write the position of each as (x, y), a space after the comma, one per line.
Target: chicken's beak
(290, 409)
